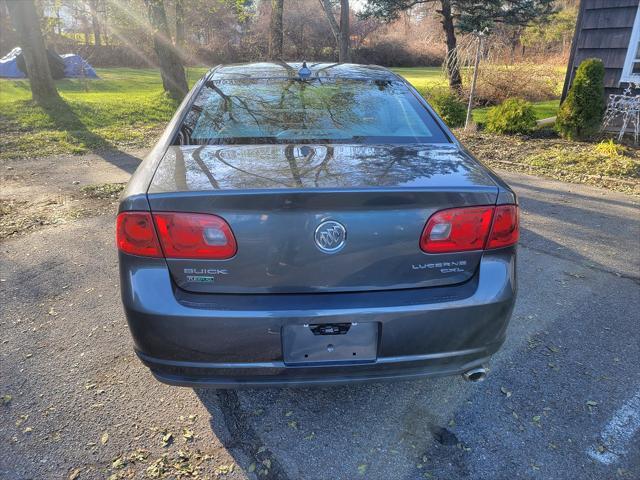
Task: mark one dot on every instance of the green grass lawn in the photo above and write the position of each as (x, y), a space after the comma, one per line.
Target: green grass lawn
(125, 109)
(423, 78)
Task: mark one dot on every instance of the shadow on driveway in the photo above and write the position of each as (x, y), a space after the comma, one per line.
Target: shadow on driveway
(384, 428)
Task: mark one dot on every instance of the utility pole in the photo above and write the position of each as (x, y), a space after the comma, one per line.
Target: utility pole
(479, 36)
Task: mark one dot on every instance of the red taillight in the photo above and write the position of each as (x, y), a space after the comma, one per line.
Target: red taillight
(505, 230)
(457, 230)
(135, 234)
(181, 235)
(194, 235)
(470, 228)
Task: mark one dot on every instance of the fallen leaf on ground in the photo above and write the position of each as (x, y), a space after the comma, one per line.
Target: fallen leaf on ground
(576, 275)
(21, 420)
(75, 473)
(224, 469)
(166, 439)
(104, 438)
(158, 468)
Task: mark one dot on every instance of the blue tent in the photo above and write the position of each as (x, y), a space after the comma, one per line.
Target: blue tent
(74, 66)
(9, 65)
(77, 67)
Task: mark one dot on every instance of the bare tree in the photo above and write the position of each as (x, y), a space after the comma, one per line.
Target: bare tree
(276, 32)
(179, 24)
(174, 80)
(341, 30)
(27, 26)
(95, 22)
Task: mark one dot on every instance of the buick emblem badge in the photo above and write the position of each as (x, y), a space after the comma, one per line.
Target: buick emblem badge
(330, 236)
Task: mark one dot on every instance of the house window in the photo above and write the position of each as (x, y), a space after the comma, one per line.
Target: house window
(631, 70)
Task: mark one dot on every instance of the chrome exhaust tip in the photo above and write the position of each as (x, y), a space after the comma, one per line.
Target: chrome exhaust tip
(475, 375)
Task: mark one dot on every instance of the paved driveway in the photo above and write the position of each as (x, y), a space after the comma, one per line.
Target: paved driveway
(562, 400)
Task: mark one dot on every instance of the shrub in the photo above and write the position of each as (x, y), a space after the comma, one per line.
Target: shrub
(450, 108)
(581, 113)
(512, 116)
(609, 149)
(397, 54)
(498, 82)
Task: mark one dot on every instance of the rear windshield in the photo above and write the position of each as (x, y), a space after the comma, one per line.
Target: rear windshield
(256, 111)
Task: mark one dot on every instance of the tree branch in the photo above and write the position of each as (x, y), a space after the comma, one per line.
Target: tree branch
(326, 6)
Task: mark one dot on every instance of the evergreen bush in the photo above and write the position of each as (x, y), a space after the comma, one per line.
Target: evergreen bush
(450, 108)
(580, 115)
(514, 115)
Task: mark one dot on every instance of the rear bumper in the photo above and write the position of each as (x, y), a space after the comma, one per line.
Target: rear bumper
(277, 374)
(235, 340)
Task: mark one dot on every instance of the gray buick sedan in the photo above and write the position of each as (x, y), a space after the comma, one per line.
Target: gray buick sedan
(314, 224)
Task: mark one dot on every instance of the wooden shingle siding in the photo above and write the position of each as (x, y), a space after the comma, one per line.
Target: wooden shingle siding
(613, 58)
(603, 31)
(609, 17)
(612, 80)
(609, 3)
(604, 38)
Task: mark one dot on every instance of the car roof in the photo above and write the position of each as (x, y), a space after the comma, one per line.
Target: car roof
(265, 70)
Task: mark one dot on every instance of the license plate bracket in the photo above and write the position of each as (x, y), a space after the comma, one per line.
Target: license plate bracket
(329, 343)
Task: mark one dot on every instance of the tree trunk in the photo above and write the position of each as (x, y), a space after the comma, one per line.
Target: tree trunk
(58, 20)
(453, 64)
(179, 24)
(95, 22)
(340, 31)
(276, 33)
(171, 68)
(344, 36)
(515, 38)
(27, 26)
(105, 24)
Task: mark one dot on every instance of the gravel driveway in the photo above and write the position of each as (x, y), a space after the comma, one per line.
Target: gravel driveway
(562, 400)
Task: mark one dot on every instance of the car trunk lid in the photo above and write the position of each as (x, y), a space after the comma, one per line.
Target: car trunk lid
(278, 199)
